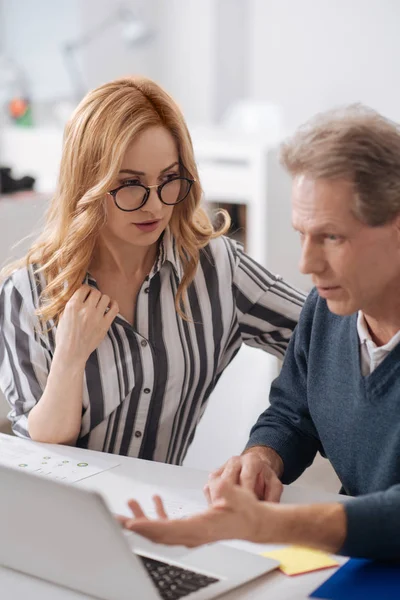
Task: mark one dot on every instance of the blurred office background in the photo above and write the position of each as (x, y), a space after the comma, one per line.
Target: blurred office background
(246, 73)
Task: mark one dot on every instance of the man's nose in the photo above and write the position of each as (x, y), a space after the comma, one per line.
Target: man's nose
(312, 258)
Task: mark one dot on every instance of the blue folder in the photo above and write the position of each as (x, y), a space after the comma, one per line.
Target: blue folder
(361, 579)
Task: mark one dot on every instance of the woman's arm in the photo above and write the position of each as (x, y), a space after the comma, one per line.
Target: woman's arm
(267, 307)
(44, 391)
(56, 418)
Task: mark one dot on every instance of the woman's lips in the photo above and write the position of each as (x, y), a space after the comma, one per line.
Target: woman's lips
(148, 226)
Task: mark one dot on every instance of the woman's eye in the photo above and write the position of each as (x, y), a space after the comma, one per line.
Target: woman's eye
(171, 176)
(131, 182)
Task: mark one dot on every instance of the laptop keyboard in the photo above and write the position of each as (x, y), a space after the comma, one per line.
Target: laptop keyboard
(174, 582)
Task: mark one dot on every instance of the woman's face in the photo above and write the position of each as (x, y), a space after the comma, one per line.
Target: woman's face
(151, 159)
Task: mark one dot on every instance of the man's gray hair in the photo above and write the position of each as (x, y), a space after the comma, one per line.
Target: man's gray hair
(354, 143)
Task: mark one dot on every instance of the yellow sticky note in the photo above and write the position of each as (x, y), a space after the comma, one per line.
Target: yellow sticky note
(295, 560)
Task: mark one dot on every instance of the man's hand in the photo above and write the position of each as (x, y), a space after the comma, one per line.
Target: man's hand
(84, 323)
(236, 514)
(257, 470)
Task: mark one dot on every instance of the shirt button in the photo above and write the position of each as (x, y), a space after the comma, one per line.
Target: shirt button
(146, 390)
(143, 343)
(146, 290)
(138, 434)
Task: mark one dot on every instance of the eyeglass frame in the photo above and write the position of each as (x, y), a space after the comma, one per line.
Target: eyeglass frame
(148, 189)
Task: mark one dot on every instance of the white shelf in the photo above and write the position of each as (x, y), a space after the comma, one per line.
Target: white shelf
(233, 168)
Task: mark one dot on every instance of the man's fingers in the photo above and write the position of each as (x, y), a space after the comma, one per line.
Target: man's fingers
(122, 520)
(231, 473)
(217, 472)
(225, 494)
(175, 533)
(273, 490)
(206, 492)
(136, 509)
(212, 477)
(249, 476)
(160, 508)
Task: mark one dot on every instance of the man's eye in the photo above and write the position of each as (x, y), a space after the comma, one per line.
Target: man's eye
(332, 237)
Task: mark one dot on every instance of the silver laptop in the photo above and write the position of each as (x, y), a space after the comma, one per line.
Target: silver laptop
(67, 535)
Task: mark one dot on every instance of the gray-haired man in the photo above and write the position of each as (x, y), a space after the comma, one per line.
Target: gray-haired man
(339, 389)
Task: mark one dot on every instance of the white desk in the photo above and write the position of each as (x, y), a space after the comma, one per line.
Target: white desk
(118, 484)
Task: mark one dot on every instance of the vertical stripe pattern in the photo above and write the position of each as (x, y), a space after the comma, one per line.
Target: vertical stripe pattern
(146, 388)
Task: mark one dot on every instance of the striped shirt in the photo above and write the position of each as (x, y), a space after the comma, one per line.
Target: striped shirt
(146, 387)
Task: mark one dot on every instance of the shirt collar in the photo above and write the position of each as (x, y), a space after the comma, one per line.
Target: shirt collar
(167, 252)
(362, 329)
(365, 336)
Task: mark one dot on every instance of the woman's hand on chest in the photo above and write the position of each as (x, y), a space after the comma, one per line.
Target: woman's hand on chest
(84, 323)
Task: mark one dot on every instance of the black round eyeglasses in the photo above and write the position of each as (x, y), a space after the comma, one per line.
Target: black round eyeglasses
(131, 195)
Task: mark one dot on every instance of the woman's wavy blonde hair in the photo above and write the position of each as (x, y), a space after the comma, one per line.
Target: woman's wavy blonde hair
(95, 140)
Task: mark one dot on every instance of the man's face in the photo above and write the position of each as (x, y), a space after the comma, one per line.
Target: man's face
(353, 265)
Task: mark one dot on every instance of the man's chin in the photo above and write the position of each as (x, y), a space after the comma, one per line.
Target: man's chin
(341, 308)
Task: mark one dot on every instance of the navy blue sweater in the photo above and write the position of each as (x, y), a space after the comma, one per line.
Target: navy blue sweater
(321, 402)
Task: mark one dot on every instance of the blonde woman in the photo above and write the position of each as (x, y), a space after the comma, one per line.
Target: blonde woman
(116, 326)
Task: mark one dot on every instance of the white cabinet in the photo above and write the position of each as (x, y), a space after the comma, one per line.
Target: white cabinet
(233, 168)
